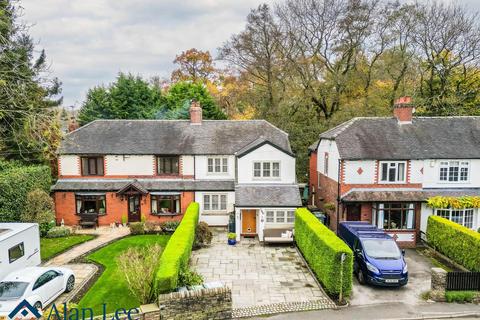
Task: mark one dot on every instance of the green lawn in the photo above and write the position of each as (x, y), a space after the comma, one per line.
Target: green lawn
(52, 246)
(111, 287)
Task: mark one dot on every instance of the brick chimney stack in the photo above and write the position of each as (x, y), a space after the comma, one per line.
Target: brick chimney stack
(403, 110)
(195, 113)
(73, 125)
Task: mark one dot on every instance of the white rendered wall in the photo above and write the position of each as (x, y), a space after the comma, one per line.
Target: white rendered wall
(216, 218)
(130, 165)
(333, 156)
(416, 168)
(201, 169)
(69, 165)
(188, 167)
(360, 172)
(431, 177)
(266, 153)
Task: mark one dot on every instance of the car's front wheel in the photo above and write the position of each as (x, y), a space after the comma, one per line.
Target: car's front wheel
(70, 284)
(38, 305)
(361, 277)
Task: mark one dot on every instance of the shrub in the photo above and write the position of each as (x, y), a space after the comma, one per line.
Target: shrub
(177, 252)
(58, 232)
(323, 250)
(16, 181)
(460, 296)
(232, 236)
(460, 244)
(152, 227)
(137, 228)
(170, 226)
(203, 235)
(188, 278)
(40, 210)
(138, 266)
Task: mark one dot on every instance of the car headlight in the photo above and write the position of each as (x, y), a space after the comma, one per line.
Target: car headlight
(405, 268)
(372, 268)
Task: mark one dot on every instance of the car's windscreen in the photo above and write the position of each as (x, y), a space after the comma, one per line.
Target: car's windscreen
(381, 249)
(12, 290)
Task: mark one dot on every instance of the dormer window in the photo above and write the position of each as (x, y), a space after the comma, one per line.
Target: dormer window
(92, 166)
(393, 172)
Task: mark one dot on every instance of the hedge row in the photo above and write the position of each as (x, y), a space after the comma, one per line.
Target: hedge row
(16, 181)
(323, 250)
(176, 254)
(457, 242)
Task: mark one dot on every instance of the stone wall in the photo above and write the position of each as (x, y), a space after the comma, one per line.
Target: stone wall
(195, 304)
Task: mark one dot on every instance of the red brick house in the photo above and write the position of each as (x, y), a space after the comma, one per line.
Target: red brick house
(383, 169)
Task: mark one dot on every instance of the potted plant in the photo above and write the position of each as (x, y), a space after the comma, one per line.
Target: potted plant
(232, 238)
(124, 220)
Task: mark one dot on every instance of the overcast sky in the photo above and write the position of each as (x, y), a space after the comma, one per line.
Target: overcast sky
(89, 41)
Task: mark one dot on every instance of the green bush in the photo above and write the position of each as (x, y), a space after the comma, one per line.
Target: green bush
(16, 181)
(323, 250)
(170, 226)
(203, 235)
(40, 210)
(137, 228)
(176, 255)
(58, 232)
(188, 278)
(460, 296)
(460, 244)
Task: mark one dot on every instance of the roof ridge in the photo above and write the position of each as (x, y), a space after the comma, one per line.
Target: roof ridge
(343, 126)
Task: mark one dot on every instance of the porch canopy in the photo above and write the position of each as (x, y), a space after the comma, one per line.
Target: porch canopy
(264, 196)
(419, 195)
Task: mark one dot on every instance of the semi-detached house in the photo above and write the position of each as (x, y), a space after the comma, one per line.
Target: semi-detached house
(383, 170)
(235, 170)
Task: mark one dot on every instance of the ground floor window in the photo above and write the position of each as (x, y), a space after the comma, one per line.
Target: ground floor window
(90, 204)
(165, 204)
(280, 216)
(214, 202)
(393, 215)
(464, 217)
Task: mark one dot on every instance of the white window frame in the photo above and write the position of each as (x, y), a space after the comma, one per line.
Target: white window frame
(463, 211)
(223, 166)
(270, 170)
(280, 216)
(447, 164)
(396, 165)
(211, 197)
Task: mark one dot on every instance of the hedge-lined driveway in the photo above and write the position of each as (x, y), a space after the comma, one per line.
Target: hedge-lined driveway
(419, 276)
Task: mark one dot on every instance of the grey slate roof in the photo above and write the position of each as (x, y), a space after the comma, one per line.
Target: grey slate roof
(148, 184)
(170, 137)
(260, 195)
(424, 138)
(405, 195)
(257, 143)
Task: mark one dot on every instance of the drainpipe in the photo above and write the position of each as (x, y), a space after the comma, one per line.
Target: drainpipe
(338, 193)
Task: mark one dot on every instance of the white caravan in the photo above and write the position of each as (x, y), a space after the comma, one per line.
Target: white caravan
(19, 247)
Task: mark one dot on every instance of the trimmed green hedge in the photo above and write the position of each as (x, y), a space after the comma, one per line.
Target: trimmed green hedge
(176, 254)
(16, 181)
(323, 250)
(457, 242)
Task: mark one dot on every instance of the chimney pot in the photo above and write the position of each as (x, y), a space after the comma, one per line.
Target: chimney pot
(195, 113)
(403, 110)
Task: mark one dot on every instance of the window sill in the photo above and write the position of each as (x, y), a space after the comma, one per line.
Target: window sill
(91, 213)
(165, 214)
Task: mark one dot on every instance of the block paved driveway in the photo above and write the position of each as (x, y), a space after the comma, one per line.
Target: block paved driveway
(257, 274)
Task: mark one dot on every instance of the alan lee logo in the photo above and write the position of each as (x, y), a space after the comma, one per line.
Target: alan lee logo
(66, 313)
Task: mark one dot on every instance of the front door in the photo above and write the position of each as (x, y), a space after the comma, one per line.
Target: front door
(353, 212)
(249, 222)
(134, 208)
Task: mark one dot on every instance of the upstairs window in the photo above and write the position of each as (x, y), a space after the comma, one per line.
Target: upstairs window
(391, 172)
(325, 164)
(266, 169)
(167, 165)
(217, 165)
(92, 166)
(454, 171)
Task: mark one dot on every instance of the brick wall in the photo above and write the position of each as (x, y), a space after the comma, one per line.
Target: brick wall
(313, 179)
(198, 304)
(117, 206)
(327, 193)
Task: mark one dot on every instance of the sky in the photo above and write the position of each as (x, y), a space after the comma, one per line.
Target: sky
(88, 42)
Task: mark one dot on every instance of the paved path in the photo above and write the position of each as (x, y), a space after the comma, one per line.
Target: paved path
(83, 272)
(258, 275)
(104, 236)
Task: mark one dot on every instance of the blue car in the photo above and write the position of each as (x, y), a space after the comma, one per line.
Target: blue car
(377, 258)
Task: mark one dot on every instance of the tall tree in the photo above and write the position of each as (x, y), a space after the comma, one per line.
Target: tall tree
(194, 65)
(129, 97)
(28, 126)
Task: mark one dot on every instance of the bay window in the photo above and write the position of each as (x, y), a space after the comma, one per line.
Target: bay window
(454, 171)
(464, 217)
(392, 171)
(165, 204)
(394, 216)
(93, 204)
(214, 202)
